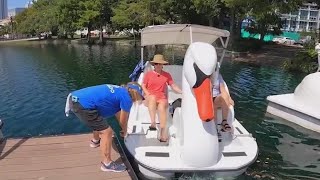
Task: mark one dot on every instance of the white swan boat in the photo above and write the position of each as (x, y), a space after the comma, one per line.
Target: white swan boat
(302, 106)
(195, 144)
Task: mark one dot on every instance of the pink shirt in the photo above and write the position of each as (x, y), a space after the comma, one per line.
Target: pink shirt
(156, 83)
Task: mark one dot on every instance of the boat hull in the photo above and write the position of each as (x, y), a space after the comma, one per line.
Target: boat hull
(153, 174)
(156, 160)
(294, 116)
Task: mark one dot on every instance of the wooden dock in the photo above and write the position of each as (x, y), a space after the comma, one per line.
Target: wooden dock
(54, 158)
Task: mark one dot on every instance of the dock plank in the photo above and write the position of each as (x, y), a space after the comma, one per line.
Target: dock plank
(57, 157)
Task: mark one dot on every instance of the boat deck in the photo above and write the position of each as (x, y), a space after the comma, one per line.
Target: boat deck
(51, 158)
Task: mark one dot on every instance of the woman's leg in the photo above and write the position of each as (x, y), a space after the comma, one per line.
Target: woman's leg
(220, 102)
(162, 109)
(152, 107)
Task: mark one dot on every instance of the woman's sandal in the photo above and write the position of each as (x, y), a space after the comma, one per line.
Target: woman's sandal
(163, 140)
(225, 126)
(151, 128)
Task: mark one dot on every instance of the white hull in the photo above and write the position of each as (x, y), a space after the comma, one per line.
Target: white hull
(287, 107)
(300, 107)
(236, 150)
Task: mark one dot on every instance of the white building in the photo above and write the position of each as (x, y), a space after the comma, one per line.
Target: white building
(307, 18)
(3, 9)
(30, 3)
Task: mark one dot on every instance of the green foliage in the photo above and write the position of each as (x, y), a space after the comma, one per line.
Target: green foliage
(66, 16)
(4, 30)
(246, 44)
(305, 61)
(140, 13)
(265, 23)
(209, 8)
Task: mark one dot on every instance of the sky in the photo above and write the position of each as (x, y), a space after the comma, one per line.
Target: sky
(16, 3)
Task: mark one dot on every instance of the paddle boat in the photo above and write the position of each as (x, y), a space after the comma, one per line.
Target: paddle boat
(196, 142)
(302, 106)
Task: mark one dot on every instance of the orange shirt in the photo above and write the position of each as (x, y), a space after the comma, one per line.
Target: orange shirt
(156, 83)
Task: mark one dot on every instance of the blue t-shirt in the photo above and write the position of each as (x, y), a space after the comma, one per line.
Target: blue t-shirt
(107, 99)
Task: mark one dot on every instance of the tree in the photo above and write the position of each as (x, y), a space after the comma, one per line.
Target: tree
(68, 16)
(209, 8)
(89, 12)
(266, 15)
(140, 13)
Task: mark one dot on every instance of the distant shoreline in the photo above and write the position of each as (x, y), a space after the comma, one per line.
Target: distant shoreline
(18, 40)
(269, 55)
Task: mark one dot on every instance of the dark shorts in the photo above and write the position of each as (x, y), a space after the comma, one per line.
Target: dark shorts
(90, 117)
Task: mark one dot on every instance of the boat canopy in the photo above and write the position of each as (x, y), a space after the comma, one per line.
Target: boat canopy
(177, 34)
(181, 34)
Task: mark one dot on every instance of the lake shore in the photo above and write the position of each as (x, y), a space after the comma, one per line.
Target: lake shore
(269, 55)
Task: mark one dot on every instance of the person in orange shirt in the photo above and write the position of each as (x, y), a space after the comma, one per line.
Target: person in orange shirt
(155, 89)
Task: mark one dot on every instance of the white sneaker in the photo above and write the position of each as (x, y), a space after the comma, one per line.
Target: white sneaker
(94, 143)
(114, 167)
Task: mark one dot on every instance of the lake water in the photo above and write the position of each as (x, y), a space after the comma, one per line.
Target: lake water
(36, 78)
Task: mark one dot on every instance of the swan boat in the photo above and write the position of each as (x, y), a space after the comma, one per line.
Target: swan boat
(196, 142)
(302, 106)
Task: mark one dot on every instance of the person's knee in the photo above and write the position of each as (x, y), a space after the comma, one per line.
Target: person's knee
(163, 105)
(106, 132)
(218, 101)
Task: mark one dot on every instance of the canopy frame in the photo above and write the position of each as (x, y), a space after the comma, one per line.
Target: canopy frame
(182, 34)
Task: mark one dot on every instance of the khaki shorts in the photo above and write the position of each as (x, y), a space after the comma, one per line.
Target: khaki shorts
(90, 117)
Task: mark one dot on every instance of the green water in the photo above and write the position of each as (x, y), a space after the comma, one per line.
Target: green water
(36, 78)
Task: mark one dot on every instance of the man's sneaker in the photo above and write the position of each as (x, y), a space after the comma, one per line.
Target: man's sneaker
(94, 143)
(114, 167)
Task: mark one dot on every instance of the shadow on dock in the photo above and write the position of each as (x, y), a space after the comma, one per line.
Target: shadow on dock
(13, 148)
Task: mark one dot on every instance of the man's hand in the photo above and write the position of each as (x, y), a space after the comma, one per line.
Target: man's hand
(122, 117)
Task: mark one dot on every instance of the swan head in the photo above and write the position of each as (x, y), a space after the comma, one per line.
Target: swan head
(199, 64)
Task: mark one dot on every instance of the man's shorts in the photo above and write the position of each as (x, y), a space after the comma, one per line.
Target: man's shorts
(90, 117)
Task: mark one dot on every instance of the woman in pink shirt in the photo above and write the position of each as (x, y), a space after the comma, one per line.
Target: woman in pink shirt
(155, 86)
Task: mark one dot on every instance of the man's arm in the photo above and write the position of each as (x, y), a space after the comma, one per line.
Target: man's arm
(145, 90)
(122, 117)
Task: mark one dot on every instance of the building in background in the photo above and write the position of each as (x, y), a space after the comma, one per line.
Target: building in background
(15, 11)
(30, 3)
(306, 19)
(3, 9)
